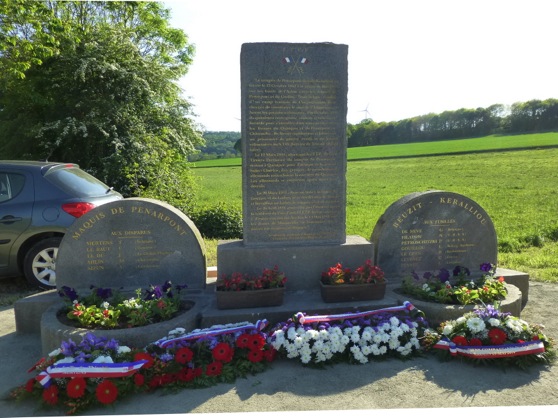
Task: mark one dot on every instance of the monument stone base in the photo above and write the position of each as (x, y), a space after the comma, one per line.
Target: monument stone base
(517, 278)
(302, 265)
(436, 313)
(35, 314)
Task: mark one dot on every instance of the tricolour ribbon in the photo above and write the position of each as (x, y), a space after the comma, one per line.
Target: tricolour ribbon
(303, 319)
(492, 351)
(206, 333)
(66, 370)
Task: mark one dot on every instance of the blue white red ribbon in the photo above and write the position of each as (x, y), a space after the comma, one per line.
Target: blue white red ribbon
(206, 333)
(66, 370)
(491, 351)
(303, 319)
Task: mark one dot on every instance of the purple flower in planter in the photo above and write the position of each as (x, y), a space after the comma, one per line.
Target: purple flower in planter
(459, 270)
(443, 275)
(68, 292)
(155, 292)
(486, 267)
(103, 294)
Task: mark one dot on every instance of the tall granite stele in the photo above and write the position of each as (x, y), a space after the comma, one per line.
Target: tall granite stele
(294, 107)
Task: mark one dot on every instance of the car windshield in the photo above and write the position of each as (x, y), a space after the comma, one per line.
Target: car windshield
(76, 182)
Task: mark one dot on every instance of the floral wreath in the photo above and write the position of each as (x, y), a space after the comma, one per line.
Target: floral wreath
(492, 337)
(99, 371)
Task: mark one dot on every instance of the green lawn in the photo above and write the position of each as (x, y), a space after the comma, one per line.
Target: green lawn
(487, 143)
(516, 188)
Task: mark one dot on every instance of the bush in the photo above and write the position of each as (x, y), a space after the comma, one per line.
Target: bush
(518, 244)
(532, 240)
(552, 233)
(219, 221)
(509, 246)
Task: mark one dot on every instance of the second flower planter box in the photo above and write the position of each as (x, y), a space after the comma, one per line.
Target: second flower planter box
(250, 298)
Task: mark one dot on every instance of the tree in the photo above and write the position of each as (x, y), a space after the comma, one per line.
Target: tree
(107, 98)
(26, 37)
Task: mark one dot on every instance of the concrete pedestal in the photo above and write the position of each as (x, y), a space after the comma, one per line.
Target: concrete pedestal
(302, 265)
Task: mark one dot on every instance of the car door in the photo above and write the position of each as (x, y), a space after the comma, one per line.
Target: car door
(16, 209)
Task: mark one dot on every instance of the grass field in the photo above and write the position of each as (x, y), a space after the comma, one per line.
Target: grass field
(484, 144)
(516, 188)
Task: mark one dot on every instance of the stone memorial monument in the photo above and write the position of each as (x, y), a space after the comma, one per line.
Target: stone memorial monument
(294, 106)
(132, 243)
(427, 231)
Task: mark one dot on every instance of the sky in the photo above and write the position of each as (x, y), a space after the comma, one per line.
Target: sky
(406, 57)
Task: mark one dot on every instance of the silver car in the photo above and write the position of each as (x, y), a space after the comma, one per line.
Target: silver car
(38, 202)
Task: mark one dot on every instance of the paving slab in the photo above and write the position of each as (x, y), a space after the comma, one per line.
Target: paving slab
(384, 387)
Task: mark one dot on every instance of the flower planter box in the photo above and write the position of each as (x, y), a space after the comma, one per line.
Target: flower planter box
(352, 292)
(250, 298)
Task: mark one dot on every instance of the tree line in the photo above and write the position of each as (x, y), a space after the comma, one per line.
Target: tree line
(218, 144)
(520, 117)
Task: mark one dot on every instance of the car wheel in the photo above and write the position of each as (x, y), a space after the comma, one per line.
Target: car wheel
(39, 265)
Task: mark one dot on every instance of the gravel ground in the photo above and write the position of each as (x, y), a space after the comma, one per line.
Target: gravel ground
(391, 385)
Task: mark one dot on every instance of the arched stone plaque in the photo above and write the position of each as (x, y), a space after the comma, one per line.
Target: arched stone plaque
(131, 243)
(427, 231)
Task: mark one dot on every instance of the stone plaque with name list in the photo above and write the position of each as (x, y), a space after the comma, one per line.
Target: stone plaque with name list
(427, 231)
(131, 244)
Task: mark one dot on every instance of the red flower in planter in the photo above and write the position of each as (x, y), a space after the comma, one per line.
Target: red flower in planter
(367, 273)
(336, 275)
(269, 279)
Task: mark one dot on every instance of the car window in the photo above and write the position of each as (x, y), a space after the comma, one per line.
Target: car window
(10, 185)
(76, 182)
